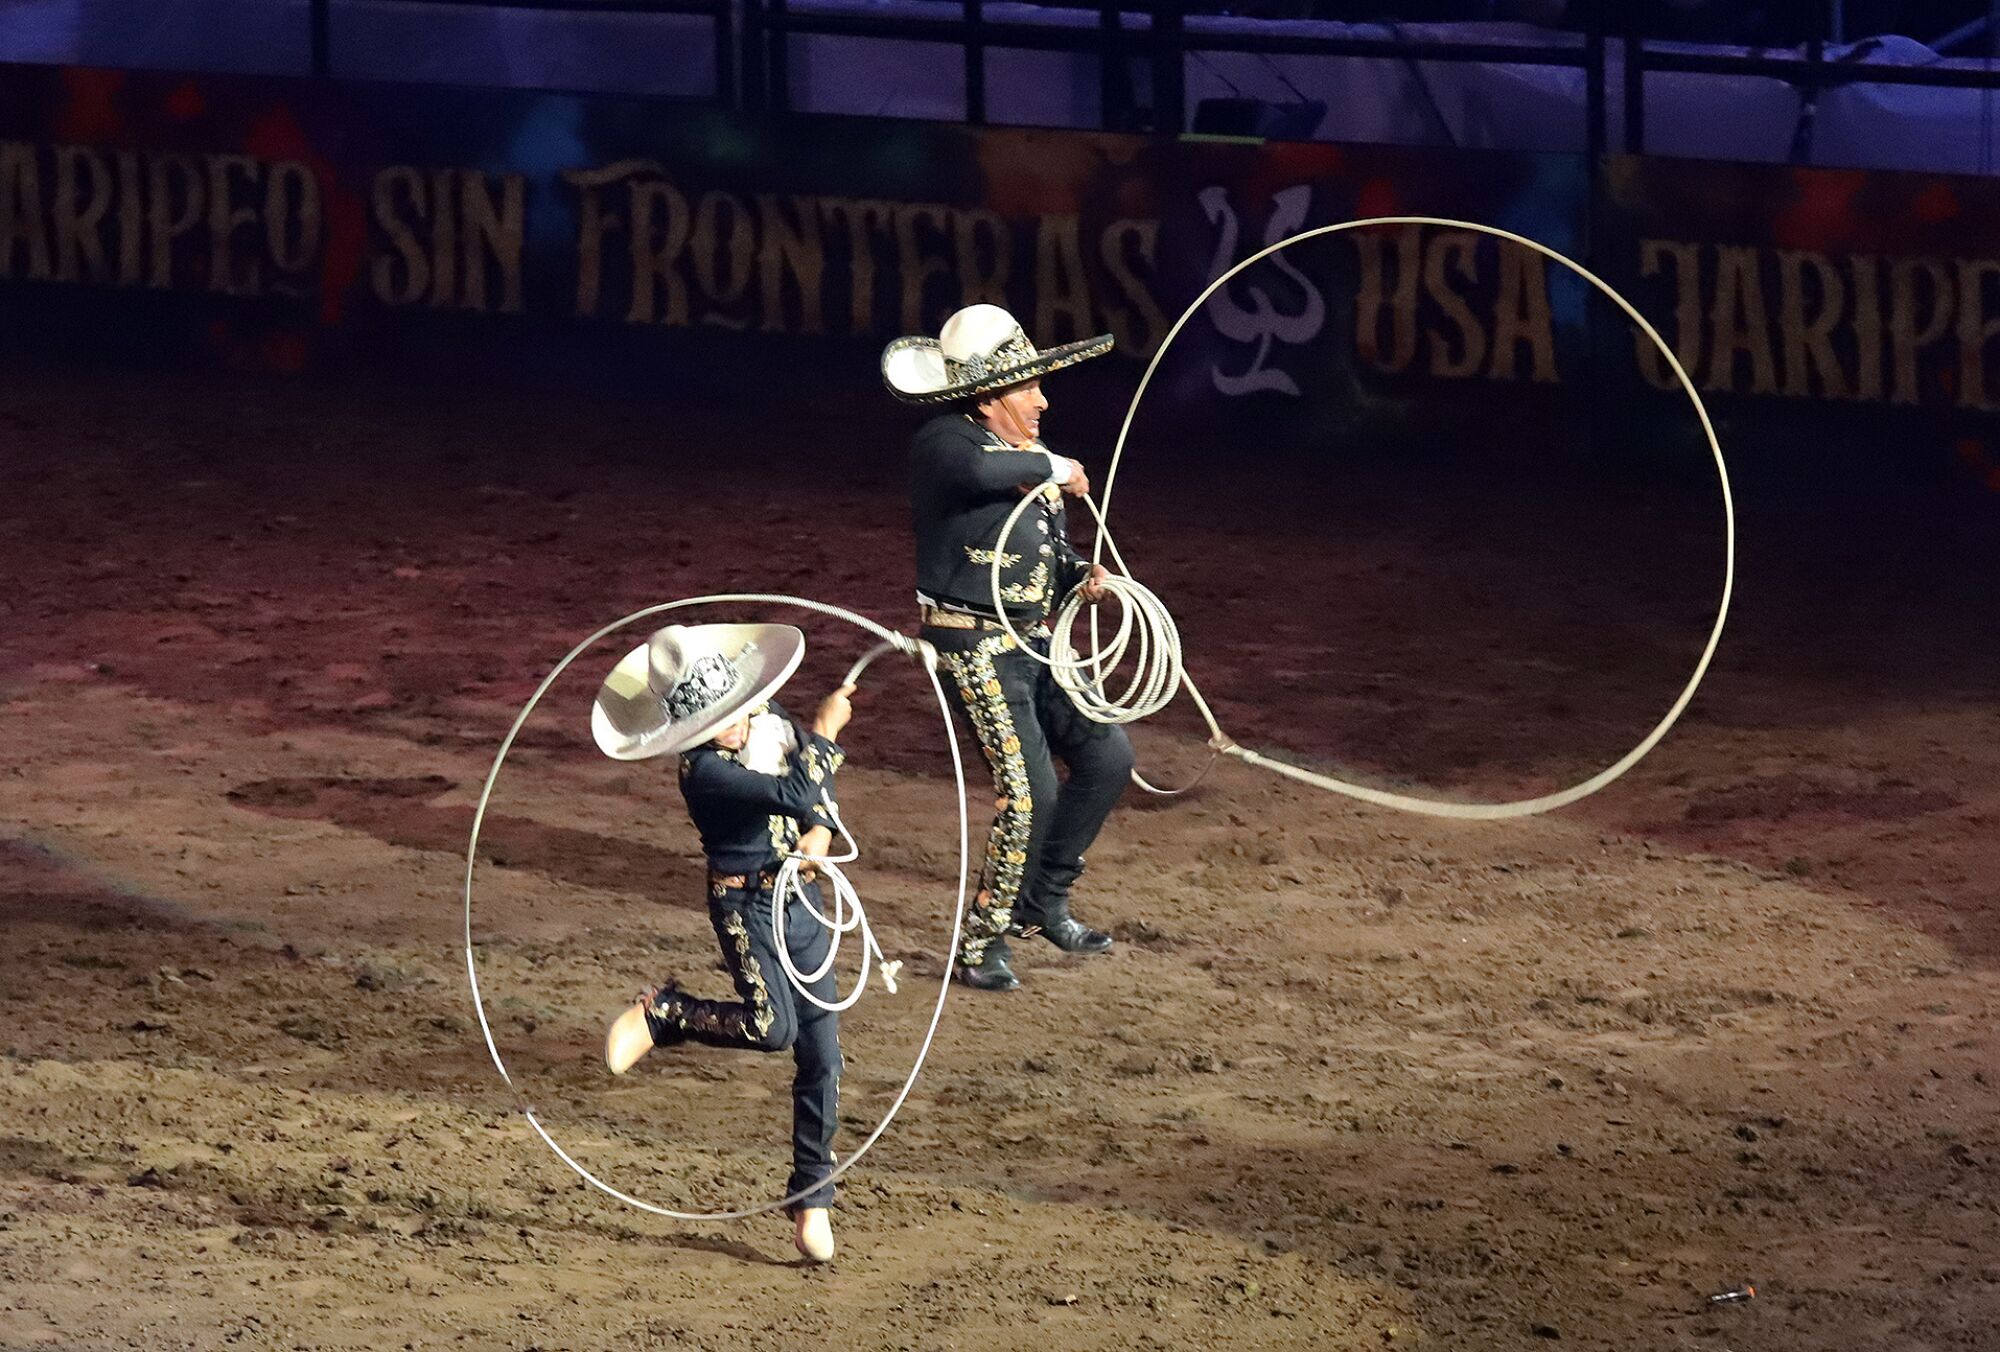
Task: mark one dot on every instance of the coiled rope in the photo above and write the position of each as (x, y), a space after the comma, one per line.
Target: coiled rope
(848, 913)
(890, 641)
(1147, 631)
(847, 917)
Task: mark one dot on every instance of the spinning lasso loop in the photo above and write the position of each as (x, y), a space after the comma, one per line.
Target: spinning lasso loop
(1158, 651)
(891, 641)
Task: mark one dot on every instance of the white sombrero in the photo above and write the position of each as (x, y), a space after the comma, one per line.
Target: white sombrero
(688, 682)
(981, 349)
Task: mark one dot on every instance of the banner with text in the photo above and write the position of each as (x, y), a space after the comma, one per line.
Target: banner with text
(283, 225)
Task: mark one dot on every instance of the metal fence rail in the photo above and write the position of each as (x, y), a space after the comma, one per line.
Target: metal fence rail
(1811, 74)
(1163, 38)
(721, 13)
(753, 38)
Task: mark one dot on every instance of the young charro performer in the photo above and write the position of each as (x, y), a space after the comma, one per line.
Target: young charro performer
(758, 787)
(970, 465)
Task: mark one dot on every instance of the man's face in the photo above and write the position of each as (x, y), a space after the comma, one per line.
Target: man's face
(1017, 413)
(734, 736)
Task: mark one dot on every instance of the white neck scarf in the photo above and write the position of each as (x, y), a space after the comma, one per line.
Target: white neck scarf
(769, 746)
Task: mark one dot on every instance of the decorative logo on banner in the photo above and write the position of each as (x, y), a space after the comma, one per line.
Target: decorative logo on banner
(1262, 323)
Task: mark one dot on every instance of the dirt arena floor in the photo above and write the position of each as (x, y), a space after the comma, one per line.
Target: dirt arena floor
(1351, 1079)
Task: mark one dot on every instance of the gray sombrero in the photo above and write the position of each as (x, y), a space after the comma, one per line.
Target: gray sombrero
(688, 682)
(981, 349)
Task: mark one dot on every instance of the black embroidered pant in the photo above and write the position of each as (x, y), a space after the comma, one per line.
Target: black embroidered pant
(771, 1016)
(1024, 721)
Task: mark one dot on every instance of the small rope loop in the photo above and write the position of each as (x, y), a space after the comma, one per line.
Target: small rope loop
(848, 916)
(1146, 632)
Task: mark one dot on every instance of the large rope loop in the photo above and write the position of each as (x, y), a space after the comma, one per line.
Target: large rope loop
(1147, 631)
(844, 914)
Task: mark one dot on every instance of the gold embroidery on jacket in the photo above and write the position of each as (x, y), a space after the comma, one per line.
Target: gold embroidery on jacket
(1033, 589)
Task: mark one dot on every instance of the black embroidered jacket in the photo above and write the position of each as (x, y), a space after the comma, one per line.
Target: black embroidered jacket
(964, 480)
(749, 820)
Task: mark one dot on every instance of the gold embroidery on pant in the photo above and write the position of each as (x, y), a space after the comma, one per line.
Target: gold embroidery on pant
(985, 704)
(724, 1021)
(762, 1013)
(715, 1021)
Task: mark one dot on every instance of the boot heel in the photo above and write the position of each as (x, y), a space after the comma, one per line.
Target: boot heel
(1065, 931)
(812, 1235)
(990, 973)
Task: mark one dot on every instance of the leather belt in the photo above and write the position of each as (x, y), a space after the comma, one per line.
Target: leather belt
(765, 878)
(938, 618)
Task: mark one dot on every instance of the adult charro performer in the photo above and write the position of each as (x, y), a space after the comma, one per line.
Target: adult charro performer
(758, 787)
(970, 466)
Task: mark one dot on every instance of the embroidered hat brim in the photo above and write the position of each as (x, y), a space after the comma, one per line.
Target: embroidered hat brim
(630, 720)
(914, 369)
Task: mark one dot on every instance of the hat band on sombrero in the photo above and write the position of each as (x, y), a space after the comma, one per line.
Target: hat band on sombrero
(917, 371)
(1015, 352)
(711, 678)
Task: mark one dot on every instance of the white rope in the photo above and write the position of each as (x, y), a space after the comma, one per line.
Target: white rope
(890, 640)
(847, 916)
(1145, 625)
(848, 913)
(1146, 629)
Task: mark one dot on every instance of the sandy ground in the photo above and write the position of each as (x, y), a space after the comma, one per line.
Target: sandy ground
(1351, 1079)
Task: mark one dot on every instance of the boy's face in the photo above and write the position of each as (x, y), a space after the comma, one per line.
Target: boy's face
(734, 736)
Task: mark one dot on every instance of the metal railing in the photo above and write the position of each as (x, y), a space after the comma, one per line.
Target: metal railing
(729, 67)
(1811, 74)
(753, 38)
(1164, 40)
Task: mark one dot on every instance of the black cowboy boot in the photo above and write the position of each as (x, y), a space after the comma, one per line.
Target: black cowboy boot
(674, 1016)
(991, 972)
(1052, 920)
(666, 1014)
(657, 1019)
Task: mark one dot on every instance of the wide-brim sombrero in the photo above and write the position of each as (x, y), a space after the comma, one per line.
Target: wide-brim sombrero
(686, 683)
(982, 349)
